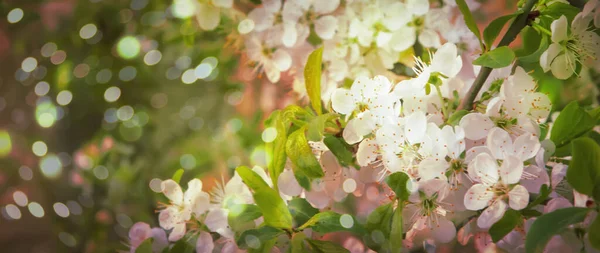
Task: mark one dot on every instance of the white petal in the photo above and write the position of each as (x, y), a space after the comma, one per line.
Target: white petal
(485, 168)
(200, 203)
(169, 217)
(282, 60)
(367, 152)
(474, 151)
(476, 125)
(390, 137)
(563, 65)
(418, 7)
(205, 243)
(208, 16)
(559, 171)
(526, 146)
(290, 34)
(492, 214)
(559, 29)
(172, 191)
(363, 88)
(538, 178)
(177, 233)
(443, 231)
(324, 7)
(511, 170)
(429, 39)
(223, 3)
(272, 5)
(518, 197)
(262, 19)
(499, 142)
(541, 106)
(364, 123)
(403, 38)
(350, 135)
(288, 184)
(326, 26)
(478, 197)
(431, 168)
(343, 101)
(216, 221)
(416, 127)
(549, 55)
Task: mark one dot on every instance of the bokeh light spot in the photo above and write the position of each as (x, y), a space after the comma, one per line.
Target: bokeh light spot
(39, 148)
(51, 166)
(112, 94)
(5, 143)
(36, 209)
(64, 97)
(128, 47)
(88, 31)
(15, 15)
(269, 134)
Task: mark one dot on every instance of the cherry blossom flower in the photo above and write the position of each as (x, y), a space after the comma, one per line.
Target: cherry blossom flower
(183, 205)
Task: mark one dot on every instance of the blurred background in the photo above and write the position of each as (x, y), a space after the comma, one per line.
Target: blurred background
(102, 99)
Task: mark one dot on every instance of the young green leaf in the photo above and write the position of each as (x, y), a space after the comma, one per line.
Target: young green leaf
(316, 127)
(396, 232)
(594, 233)
(301, 210)
(583, 173)
(326, 246)
(301, 155)
(456, 117)
(177, 175)
(312, 78)
(297, 245)
(253, 238)
(398, 182)
(378, 225)
(276, 150)
(470, 21)
(530, 54)
(507, 223)
(244, 212)
(273, 208)
(572, 122)
(252, 179)
(340, 149)
(491, 32)
(497, 58)
(550, 224)
(330, 221)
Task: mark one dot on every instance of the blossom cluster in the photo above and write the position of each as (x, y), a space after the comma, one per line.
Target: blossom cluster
(409, 154)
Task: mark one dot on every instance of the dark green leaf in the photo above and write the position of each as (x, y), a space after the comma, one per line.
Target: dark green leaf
(470, 21)
(584, 169)
(571, 123)
(498, 58)
(177, 175)
(398, 181)
(330, 221)
(301, 210)
(507, 223)
(530, 56)
(145, 246)
(326, 247)
(312, 78)
(542, 196)
(491, 32)
(340, 149)
(594, 233)
(254, 238)
(301, 155)
(379, 225)
(550, 224)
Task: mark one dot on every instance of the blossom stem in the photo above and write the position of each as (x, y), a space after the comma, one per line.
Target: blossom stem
(542, 29)
(444, 110)
(510, 35)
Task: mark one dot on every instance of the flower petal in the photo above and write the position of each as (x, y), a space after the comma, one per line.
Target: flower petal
(476, 125)
(416, 127)
(367, 152)
(518, 197)
(208, 16)
(563, 65)
(559, 29)
(288, 184)
(343, 101)
(499, 142)
(443, 231)
(492, 214)
(511, 170)
(403, 38)
(172, 191)
(216, 221)
(485, 168)
(526, 146)
(326, 26)
(478, 197)
(205, 243)
(324, 7)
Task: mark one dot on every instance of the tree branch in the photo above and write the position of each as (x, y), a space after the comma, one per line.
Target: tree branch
(515, 28)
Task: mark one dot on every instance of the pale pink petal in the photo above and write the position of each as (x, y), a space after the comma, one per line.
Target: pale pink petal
(478, 197)
(492, 214)
(476, 125)
(499, 142)
(511, 170)
(172, 191)
(518, 197)
(205, 243)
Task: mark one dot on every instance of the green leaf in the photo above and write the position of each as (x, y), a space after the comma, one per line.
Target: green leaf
(594, 233)
(378, 225)
(541, 45)
(301, 155)
(470, 21)
(572, 122)
(456, 117)
(507, 223)
(312, 78)
(491, 32)
(273, 208)
(244, 212)
(326, 246)
(301, 210)
(542, 196)
(316, 127)
(252, 179)
(145, 246)
(276, 149)
(298, 243)
(329, 221)
(557, 9)
(550, 224)
(396, 232)
(584, 169)
(254, 238)
(498, 58)
(398, 182)
(340, 149)
(177, 175)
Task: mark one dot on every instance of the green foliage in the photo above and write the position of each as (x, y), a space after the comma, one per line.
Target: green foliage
(550, 224)
(492, 31)
(594, 233)
(254, 238)
(301, 155)
(455, 118)
(542, 196)
(145, 246)
(243, 213)
(271, 205)
(340, 149)
(329, 221)
(534, 45)
(470, 21)
(398, 182)
(301, 210)
(297, 245)
(276, 157)
(572, 122)
(177, 175)
(316, 127)
(396, 231)
(555, 10)
(583, 173)
(312, 78)
(497, 58)
(326, 247)
(379, 222)
(505, 225)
